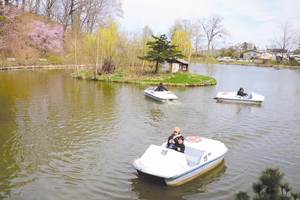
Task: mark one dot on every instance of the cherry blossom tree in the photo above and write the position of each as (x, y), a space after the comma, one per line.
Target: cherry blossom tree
(46, 37)
(7, 16)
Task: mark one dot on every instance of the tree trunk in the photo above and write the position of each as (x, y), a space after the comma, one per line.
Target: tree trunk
(17, 3)
(190, 54)
(156, 67)
(48, 10)
(97, 59)
(37, 6)
(76, 54)
(63, 42)
(23, 5)
(207, 54)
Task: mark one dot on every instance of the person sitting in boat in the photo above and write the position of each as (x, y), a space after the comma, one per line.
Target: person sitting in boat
(161, 88)
(179, 146)
(241, 93)
(173, 139)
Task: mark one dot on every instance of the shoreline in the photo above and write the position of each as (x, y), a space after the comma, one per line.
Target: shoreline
(40, 67)
(264, 65)
(142, 80)
(87, 67)
(149, 83)
(145, 80)
(253, 64)
(174, 79)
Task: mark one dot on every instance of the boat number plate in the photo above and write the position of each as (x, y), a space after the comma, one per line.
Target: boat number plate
(164, 152)
(205, 158)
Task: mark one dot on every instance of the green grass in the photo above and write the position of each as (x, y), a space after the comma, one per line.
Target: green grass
(178, 78)
(175, 79)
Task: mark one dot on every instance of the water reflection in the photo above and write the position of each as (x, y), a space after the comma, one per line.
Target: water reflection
(156, 114)
(76, 137)
(149, 187)
(19, 152)
(239, 108)
(210, 69)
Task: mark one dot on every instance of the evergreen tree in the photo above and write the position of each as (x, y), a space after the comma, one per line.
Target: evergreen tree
(269, 187)
(245, 46)
(162, 51)
(295, 195)
(242, 195)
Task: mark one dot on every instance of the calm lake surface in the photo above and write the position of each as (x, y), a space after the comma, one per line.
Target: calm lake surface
(63, 138)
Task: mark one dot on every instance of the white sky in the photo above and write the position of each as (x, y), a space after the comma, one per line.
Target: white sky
(252, 21)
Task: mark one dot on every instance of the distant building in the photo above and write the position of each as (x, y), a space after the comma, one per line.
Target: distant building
(258, 54)
(179, 66)
(273, 54)
(225, 59)
(295, 57)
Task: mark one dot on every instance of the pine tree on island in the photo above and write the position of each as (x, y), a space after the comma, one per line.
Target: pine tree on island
(162, 51)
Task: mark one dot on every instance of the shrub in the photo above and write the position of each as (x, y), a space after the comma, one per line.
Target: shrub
(55, 60)
(294, 63)
(269, 187)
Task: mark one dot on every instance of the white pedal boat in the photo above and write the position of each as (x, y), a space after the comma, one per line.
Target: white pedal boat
(252, 98)
(159, 95)
(176, 168)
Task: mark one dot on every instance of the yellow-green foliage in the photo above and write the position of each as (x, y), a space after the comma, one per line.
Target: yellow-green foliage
(110, 40)
(100, 45)
(90, 48)
(182, 41)
(85, 73)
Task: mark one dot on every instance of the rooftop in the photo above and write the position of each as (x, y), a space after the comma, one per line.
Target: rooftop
(182, 61)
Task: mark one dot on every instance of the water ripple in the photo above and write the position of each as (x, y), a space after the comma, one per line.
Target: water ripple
(75, 139)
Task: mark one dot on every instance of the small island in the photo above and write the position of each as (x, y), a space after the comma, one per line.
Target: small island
(162, 51)
(174, 79)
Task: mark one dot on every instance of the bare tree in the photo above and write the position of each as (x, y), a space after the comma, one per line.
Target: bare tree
(48, 9)
(37, 6)
(146, 36)
(23, 5)
(95, 12)
(32, 5)
(288, 40)
(17, 3)
(69, 7)
(198, 36)
(223, 48)
(90, 13)
(182, 24)
(177, 26)
(213, 29)
(7, 2)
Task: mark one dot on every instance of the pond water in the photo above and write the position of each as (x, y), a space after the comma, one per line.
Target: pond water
(63, 138)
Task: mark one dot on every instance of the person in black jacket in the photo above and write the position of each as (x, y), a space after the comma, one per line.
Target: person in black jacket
(161, 88)
(241, 93)
(173, 139)
(179, 146)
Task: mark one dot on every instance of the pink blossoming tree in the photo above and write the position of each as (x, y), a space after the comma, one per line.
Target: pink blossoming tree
(7, 15)
(45, 37)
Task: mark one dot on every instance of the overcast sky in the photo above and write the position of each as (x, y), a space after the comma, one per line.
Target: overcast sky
(252, 21)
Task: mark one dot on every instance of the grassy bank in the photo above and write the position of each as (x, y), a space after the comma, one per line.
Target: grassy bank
(260, 64)
(175, 79)
(272, 64)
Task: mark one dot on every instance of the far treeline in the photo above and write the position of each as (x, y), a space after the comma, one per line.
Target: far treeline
(86, 32)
